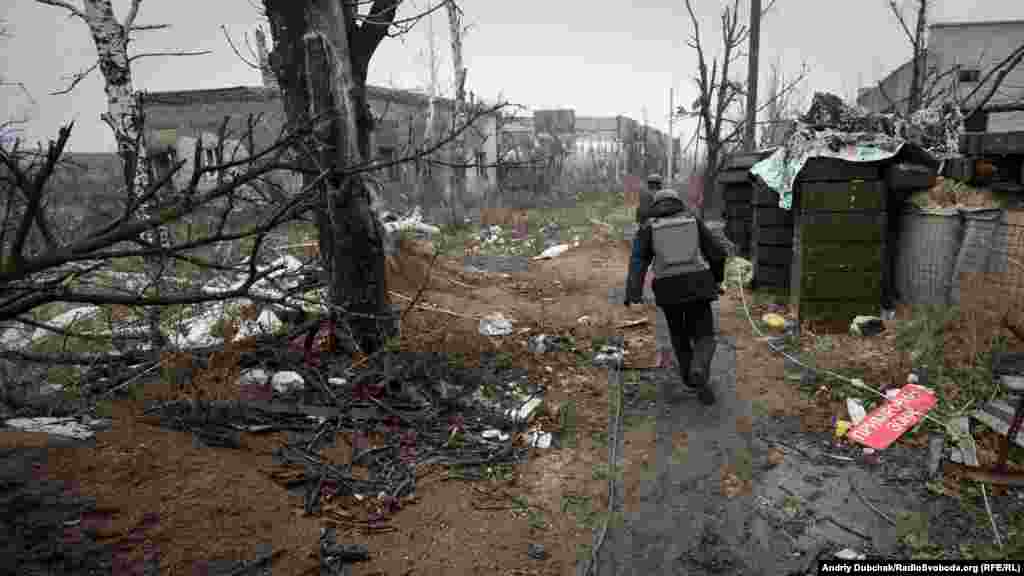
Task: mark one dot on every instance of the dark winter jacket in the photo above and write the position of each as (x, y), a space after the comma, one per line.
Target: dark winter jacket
(689, 287)
(643, 209)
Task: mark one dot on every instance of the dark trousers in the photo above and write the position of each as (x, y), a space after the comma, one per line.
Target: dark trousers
(687, 324)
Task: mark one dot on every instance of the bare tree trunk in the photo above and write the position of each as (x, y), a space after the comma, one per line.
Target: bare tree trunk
(325, 56)
(124, 116)
(430, 130)
(458, 176)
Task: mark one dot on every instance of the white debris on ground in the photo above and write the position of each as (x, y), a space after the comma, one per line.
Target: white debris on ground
(856, 410)
(539, 439)
(253, 377)
(609, 356)
(414, 221)
(495, 324)
(67, 427)
(739, 269)
(553, 251)
(848, 554)
(494, 434)
(526, 412)
(287, 382)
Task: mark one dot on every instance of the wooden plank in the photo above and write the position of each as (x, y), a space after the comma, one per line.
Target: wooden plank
(771, 276)
(764, 196)
(767, 217)
(992, 143)
(850, 285)
(734, 176)
(836, 170)
(843, 196)
(775, 236)
(834, 227)
(737, 192)
(835, 315)
(774, 255)
(737, 211)
(907, 177)
(746, 160)
(819, 257)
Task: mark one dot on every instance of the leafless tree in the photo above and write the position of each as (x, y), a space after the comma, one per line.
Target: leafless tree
(928, 84)
(458, 174)
(719, 94)
(111, 38)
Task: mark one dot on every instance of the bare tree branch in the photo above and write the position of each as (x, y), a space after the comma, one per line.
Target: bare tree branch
(65, 5)
(76, 78)
(133, 13)
(170, 53)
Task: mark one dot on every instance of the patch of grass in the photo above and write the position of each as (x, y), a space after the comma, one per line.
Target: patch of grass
(504, 360)
(582, 509)
(457, 360)
(648, 390)
(567, 423)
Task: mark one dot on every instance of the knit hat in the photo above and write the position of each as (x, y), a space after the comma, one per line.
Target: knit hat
(665, 193)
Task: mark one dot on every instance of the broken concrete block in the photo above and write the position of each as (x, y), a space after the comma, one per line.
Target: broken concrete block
(254, 377)
(526, 412)
(866, 326)
(287, 382)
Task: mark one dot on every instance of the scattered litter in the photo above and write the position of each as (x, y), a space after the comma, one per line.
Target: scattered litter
(495, 325)
(739, 269)
(48, 389)
(68, 427)
(856, 410)
(552, 252)
(253, 377)
(526, 412)
(774, 321)
(609, 356)
(888, 315)
(848, 554)
(537, 552)
(632, 323)
(905, 408)
(866, 326)
(538, 439)
(494, 433)
(287, 382)
(912, 378)
(541, 343)
(936, 447)
(842, 426)
(337, 382)
(998, 415)
(583, 320)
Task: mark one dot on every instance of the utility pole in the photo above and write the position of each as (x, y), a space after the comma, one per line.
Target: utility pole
(671, 141)
(752, 69)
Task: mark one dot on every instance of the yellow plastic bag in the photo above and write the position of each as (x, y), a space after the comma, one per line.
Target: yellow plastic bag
(774, 321)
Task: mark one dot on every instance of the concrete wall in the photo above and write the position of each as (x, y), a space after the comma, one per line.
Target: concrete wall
(980, 47)
(972, 46)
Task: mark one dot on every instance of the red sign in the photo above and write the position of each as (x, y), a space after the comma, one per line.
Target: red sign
(889, 421)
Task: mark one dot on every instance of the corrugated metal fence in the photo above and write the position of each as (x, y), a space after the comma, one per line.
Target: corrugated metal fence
(966, 257)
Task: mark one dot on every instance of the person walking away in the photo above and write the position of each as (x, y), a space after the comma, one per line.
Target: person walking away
(663, 344)
(688, 266)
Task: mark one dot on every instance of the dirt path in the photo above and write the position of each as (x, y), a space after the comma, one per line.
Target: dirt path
(698, 493)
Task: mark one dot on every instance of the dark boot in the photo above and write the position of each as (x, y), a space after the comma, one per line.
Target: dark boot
(700, 370)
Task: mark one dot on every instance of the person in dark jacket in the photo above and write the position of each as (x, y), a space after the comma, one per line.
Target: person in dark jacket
(689, 264)
(642, 210)
(647, 196)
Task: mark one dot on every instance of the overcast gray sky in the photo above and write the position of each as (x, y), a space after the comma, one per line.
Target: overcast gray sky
(598, 58)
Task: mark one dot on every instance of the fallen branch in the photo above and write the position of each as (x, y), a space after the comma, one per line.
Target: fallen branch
(853, 488)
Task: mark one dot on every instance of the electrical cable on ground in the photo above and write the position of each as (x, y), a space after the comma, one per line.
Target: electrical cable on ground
(857, 384)
(614, 373)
